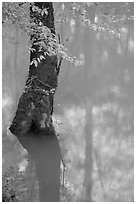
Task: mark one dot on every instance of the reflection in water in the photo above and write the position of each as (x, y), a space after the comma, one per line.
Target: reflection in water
(73, 146)
(45, 151)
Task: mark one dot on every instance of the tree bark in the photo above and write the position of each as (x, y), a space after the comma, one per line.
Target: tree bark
(32, 123)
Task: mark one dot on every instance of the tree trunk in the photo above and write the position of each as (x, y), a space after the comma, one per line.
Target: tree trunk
(88, 156)
(15, 64)
(32, 123)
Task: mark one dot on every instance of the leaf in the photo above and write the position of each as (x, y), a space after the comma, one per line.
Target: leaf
(35, 8)
(32, 49)
(42, 57)
(44, 11)
(35, 63)
(45, 53)
(38, 59)
(31, 62)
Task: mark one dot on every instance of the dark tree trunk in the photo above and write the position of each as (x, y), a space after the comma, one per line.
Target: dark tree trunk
(32, 123)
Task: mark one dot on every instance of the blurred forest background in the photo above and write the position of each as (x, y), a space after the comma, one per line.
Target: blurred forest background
(93, 107)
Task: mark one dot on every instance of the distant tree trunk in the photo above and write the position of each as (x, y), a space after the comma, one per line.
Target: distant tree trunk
(14, 70)
(15, 64)
(32, 123)
(88, 156)
(89, 90)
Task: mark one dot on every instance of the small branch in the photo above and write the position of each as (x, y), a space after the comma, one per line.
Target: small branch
(20, 4)
(59, 65)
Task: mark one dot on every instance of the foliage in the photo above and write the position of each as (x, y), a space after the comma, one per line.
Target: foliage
(108, 17)
(48, 43)
(13, 185)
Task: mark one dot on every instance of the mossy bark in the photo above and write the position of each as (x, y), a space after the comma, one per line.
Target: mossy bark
(32, 123)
